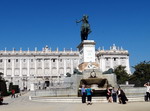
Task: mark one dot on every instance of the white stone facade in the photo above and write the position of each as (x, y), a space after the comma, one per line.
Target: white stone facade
(26, 67)
(112, 58)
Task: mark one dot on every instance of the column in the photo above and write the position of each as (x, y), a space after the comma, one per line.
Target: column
(128, 65)
(43, 72)
(5, 67)
(28, 67)
(58, 71)
(20, 74)
(50, 66)
(20, 67)
(103, 66)
(64, 67)
(57, 67)
(13, 66)
(35, 61)
(111, 62)
(72, 66)
(100, 63)
(78, 61)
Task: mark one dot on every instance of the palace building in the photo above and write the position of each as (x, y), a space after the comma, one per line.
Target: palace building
(26, 67)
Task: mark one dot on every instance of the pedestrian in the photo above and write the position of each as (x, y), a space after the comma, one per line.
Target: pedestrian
(83, 94)
(147, 85)
(109, 95)
(114, 94)
(89, 95)
(121, 96)
(12, 93)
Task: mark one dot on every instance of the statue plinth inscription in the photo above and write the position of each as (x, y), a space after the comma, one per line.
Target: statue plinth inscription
(87, 51)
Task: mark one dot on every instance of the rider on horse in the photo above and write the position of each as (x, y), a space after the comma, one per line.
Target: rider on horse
(85, 28)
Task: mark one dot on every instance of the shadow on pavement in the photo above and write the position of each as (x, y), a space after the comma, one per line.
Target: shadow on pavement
(4, 104)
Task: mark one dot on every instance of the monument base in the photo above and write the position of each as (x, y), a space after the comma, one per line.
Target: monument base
(91, 74)
(88, 65)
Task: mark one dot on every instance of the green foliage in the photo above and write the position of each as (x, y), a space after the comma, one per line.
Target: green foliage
(121, 74)
(3, 87)
(141, 74)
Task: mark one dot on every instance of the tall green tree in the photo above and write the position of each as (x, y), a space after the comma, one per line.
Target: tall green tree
(3, 87)
(121, 74)
(141, 74)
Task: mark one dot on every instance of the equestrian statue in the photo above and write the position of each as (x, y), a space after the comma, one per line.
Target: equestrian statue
(85, 27)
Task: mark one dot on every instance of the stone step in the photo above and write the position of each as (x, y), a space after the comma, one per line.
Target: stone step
(78, 99)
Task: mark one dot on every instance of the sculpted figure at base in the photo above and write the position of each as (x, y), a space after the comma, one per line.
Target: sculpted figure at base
(85, 27)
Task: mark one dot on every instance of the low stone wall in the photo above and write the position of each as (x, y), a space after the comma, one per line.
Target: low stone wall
(54, 92)
(68, 88)
(134, 91)
(67, 92)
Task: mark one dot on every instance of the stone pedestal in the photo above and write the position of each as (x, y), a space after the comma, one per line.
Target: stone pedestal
(90, 68)
(87, 55)
(87, 51)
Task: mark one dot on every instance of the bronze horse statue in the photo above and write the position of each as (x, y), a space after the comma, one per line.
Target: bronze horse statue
(85, 28)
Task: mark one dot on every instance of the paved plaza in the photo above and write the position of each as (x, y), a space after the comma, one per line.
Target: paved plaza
(22, 103)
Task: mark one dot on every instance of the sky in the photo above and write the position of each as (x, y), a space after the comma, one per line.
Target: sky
(37, 23)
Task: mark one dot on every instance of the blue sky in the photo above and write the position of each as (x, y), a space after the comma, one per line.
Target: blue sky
(36, 23)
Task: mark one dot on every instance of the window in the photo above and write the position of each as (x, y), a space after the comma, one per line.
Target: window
(31, 60)
(60, 60)
(1, 60)
(9, 60)
(107, 59)
(24, 60)
(114, 59)
(16, 60)
(53, 60)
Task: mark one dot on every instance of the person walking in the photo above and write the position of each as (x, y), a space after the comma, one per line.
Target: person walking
(12, 93)
(109, 95)
(83, 93)
(114, 94)
(89, 95)
(147, 85)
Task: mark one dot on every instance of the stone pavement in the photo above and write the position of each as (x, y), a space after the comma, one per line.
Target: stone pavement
(22, 103)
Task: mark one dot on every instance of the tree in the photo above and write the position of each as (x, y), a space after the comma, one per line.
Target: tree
(121, 74)
(141, 74)
(3, 87)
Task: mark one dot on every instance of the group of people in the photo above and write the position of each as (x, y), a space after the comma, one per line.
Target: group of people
(86, 92)
(112, 95)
